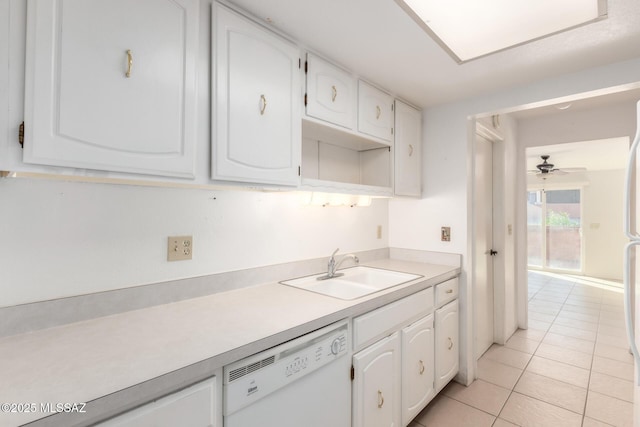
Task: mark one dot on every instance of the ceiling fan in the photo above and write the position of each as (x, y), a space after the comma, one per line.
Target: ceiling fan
(545, 169)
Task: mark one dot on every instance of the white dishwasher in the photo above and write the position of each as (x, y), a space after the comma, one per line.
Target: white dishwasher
(303, 382)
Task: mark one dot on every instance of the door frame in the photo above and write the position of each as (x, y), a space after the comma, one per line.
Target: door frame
(489, 129)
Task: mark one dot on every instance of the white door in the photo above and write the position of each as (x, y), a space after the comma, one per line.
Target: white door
(483, 269)
(111, 85)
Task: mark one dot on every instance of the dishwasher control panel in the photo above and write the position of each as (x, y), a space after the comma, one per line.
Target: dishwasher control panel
(254, 377)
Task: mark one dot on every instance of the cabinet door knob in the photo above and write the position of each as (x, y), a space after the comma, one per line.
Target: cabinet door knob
(421, 366)
(129, 63)
(263, 104)
(410, 150)
(378, 112)
(380, 399)
(450, 343)
(334, 93)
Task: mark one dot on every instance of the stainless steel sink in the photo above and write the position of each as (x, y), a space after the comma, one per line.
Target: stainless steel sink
(356, 282)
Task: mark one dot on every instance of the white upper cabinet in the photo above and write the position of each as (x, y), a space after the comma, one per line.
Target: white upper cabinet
(330, 93)
(111, 85)
(375, 112)
(408, 149)
(256, 102)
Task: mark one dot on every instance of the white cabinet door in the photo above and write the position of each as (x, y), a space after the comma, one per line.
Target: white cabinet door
(375, 112)
(194, 406)
(330, 92)
(447, 344)
(417, 367)
(111, 85)
(408, 149)
(257, 102)
(376, 386)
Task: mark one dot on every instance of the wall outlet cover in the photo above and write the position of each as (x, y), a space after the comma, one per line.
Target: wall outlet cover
(179, 248)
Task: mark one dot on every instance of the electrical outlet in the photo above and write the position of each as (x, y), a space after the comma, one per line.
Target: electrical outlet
(445, 234)
(179, 248)
(379, 232)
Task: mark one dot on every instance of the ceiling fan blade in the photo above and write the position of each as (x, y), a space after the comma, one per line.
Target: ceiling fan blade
(573, 169)
(559, 172)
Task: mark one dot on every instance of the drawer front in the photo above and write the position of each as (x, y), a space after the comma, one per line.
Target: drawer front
(378, 323)
(446, 292)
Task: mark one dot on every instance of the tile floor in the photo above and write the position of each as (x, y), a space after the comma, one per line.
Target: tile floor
(570, 368)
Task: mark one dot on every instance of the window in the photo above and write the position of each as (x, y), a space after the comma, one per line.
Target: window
(554, 227)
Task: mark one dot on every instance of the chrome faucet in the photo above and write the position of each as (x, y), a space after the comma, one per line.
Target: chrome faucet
(332, 266)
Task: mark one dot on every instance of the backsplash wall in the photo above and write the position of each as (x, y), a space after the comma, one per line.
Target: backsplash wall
(72, 238)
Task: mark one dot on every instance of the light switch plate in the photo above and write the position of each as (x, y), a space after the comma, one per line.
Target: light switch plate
(179, 248)
(445, 234)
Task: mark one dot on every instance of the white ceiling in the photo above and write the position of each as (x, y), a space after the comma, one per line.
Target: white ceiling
(605, 154)
(379, 41)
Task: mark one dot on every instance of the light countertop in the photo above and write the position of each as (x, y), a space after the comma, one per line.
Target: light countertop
(84, 361)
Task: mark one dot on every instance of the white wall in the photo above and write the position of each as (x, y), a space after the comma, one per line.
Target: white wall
(416, 224)
(75, 238)
(603, 236)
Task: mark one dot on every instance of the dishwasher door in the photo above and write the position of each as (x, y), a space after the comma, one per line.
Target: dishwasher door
(304, 382)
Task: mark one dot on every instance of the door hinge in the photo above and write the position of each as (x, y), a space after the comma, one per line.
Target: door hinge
(305, 99)
(299, 63)
(306, 66)
(299, 170)
(353, 373)
(21, 134)
(389, 148)
(391, 131)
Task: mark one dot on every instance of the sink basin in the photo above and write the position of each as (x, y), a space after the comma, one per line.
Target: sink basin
(355, 282)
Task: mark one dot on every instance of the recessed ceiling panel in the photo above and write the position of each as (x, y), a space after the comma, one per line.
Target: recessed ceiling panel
(471, 29)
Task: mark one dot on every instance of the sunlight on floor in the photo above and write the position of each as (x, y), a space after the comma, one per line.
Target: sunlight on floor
(609, 285)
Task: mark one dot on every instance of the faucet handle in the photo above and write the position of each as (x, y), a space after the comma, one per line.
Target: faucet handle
(335, 252)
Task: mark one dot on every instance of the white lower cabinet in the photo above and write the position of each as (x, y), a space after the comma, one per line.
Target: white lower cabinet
(417, 367)
(376, 387)
(447, 344)
(195, 406)
(406, 352)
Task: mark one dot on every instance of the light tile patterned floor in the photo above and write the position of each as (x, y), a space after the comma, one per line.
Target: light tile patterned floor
(571, 367)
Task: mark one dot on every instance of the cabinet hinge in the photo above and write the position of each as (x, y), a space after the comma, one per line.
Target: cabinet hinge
(391, 107)
(353, 373)
(21, 134)
(389, 149)
(306, 66)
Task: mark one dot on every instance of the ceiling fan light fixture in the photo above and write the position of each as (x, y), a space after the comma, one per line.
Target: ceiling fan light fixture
(469, 30)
